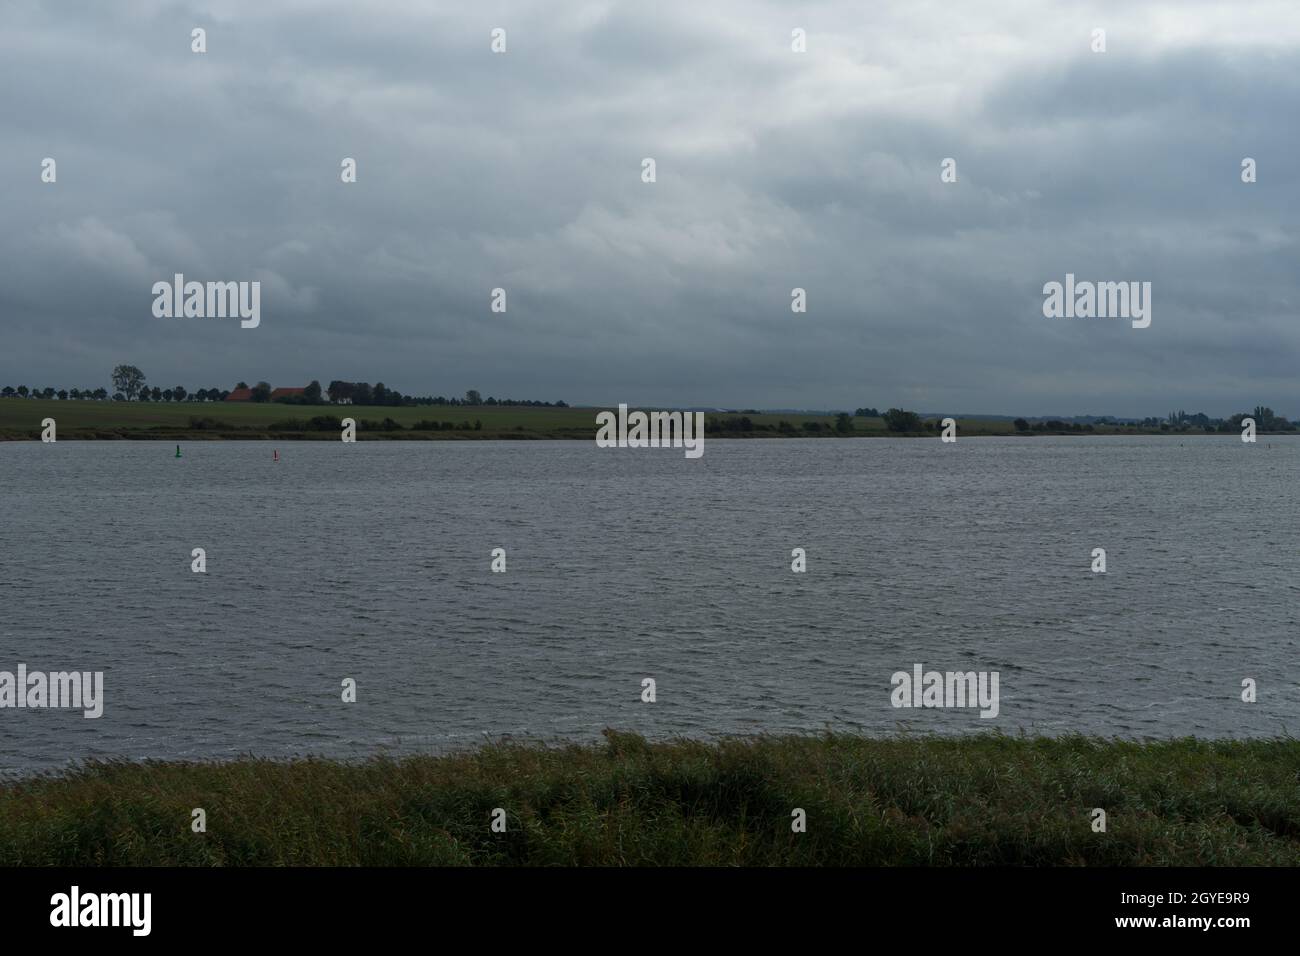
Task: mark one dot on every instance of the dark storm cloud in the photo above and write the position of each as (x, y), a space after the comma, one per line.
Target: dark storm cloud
(818, 170)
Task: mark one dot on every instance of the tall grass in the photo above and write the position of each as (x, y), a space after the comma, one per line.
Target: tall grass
(896, 801)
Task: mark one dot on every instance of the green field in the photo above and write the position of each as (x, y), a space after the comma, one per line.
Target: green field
(21, 419)
(974, 801)
(82, 419)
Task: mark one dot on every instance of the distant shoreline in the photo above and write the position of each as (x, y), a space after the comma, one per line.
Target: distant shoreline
(21, 420)
(205, 436)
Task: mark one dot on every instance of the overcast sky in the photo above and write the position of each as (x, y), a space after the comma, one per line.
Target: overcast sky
(775, 170)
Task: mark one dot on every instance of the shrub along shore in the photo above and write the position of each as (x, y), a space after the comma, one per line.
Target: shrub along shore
(968, 801)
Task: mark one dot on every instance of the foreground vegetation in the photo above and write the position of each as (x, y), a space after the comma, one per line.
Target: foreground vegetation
(20, 419)
(898, 801)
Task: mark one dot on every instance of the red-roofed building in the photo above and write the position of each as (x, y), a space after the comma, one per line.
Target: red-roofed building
(240, 395)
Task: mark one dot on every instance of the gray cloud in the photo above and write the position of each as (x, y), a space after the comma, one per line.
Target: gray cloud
(776, 170)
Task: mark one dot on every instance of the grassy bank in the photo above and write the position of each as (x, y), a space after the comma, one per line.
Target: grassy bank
(906, 801)
(20, 419)
(252, 420)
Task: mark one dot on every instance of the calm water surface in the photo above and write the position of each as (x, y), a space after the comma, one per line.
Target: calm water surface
(372, 561)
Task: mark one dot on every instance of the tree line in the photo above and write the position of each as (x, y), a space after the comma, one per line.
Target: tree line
(1180, 422)
(901, 420)
(363, 393)
(130, 385)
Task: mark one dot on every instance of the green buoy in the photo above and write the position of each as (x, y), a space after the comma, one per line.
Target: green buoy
(178, 451)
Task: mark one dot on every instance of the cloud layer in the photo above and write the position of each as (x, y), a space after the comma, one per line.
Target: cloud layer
(775, 169)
